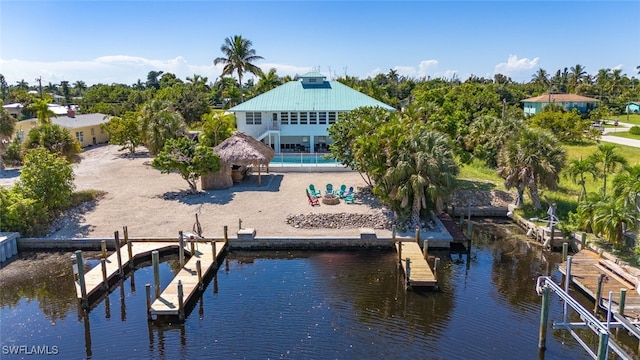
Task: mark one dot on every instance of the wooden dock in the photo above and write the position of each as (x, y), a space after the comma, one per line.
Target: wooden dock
(420, 273)
(586, 270)
(94, 279)
(168, 304)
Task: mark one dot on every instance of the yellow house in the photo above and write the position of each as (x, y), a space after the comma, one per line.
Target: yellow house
(86, 127)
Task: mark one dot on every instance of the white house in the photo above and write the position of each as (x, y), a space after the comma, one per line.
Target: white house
(295, 116)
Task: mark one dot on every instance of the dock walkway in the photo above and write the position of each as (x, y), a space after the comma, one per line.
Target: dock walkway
(94, 279)
(168, 304)
(420, 273)
(586, 269)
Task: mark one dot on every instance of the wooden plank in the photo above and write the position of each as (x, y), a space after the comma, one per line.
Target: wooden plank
(167, 303)
(586, 267)
(420, 273)
(93, 278)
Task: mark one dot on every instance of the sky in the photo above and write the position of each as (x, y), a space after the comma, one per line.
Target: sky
(121, 41)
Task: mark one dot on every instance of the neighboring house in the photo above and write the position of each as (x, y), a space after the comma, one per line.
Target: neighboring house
(583, 104)
(295, 116)
(86, 127)
(633, 107)
(15, 109)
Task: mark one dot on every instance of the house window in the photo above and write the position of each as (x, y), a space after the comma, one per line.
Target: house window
(313, 116)
(322, 118)
(303, 118)
(284, 118)
(254, 118)
(332, 117)
(93, 132)
(294, 118)
(80, 136)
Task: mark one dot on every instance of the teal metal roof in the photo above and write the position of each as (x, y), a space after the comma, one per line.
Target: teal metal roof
(299, 96)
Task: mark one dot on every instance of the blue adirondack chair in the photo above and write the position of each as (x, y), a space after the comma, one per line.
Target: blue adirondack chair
(329, 189)
(343, 191)
(349, 197)
(312, 190)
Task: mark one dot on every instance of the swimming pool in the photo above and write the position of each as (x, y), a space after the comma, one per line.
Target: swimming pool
(304, 159)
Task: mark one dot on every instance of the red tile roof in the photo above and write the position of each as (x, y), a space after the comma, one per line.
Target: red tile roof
(560, 98)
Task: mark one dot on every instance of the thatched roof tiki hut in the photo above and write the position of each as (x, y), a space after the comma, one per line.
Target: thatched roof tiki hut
(238, 150)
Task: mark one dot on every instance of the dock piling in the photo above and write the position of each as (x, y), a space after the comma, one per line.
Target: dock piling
(180, 301)
(103, 246)
(226, 236)
(544, 318)
(105, 280)
(193, 247)
(181, 248)
(213, 249)
(598, 294)
(418, 234)
(399, 252)
(83, 285)
(436, 266)
(425, 247)
(565, 251)
(147, 290)
(199, 270)
(567, 283)
(408, 272)
(623, 296)
(116, 238)
(393, 233)
(155, 259)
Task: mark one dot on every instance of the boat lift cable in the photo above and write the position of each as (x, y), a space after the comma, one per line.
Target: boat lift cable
(602, 330)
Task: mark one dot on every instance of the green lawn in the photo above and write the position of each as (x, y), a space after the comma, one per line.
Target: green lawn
(624, 134)
(476, 176)
(632, 119)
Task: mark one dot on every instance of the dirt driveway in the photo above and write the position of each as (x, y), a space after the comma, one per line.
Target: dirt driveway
(153, 204)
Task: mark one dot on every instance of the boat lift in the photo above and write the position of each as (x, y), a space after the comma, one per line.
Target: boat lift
(545, 285)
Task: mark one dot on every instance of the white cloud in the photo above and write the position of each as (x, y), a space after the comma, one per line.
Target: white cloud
(515, 65)
(284, 70)
(408, 71)
(106, 69)
(426, 66)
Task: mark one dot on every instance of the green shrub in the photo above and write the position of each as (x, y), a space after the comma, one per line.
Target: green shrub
(635, 130)
(13, 155)
(27, 216)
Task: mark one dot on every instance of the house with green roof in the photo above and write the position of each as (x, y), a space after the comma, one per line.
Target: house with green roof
(295, 116)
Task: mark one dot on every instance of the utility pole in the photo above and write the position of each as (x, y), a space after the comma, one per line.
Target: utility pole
(39, 80)
(504, 108)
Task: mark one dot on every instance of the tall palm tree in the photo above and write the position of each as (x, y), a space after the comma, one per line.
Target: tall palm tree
(534, 158)
(577, 170)
(268, 81)
(627, 185)
(610, 161)
(43, 112)
(238, 57)
(79, 86)
(576, 76)
(22, 85)
(541, 79)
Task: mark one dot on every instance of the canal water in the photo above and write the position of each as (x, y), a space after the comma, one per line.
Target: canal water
(304, 305)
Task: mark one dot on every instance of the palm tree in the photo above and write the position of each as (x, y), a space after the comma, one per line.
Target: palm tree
(217, 126)
(627, 185)
(577, 170)
(159, 123)
(22, 85)
(238, 57)
(268, 81)
(576, 76)
(611, 217)
(425, 169)
(79, 86)
(610, 161)
(43, 112)
(533, 158)
(541, 79)
(152, 79)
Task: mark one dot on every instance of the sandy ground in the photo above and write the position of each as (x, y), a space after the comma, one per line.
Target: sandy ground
(153, 204)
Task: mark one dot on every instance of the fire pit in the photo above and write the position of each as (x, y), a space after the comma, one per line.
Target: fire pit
(330, 199)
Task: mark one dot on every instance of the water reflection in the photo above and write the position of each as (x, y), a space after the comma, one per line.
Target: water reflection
(339, 304)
